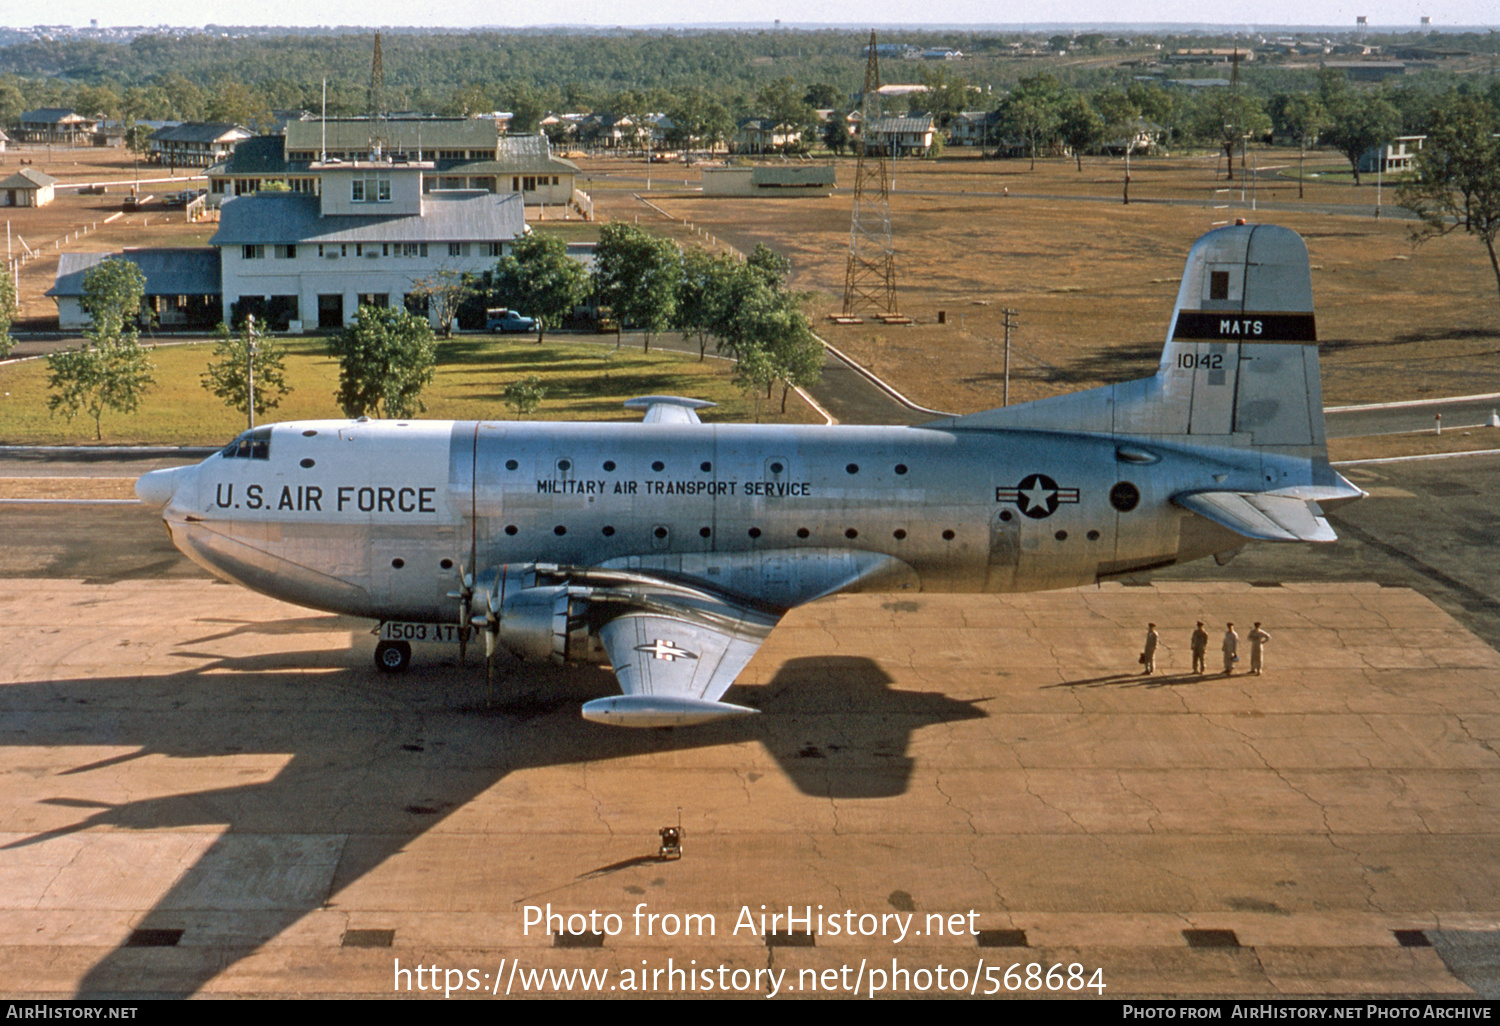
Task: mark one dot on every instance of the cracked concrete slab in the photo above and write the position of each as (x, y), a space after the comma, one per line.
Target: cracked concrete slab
(201, 759)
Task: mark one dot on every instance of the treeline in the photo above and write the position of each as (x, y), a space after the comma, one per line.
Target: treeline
(1041, 115)
(215, 77)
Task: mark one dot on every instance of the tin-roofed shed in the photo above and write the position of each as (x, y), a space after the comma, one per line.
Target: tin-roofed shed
(781, 182)
(182, 286)
(28, 187)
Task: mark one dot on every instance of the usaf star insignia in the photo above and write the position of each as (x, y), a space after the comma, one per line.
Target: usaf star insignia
(1037, 496)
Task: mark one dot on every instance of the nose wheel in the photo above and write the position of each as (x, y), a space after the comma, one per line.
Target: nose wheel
(392, 656)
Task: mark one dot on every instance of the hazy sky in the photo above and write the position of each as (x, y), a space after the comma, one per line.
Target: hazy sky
(466, 13)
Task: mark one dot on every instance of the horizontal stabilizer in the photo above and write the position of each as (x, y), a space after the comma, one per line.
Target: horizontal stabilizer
(1262, 516)
(659, 711)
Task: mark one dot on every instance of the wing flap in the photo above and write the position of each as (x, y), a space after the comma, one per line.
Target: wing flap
(1262, 516)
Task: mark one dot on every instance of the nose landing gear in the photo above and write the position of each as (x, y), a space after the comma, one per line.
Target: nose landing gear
(392, 656)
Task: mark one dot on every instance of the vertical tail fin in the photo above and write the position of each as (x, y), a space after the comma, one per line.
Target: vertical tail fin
(1240, 365)
(1242, 353)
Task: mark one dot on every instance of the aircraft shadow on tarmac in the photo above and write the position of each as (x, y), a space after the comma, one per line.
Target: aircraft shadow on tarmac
(375, 761)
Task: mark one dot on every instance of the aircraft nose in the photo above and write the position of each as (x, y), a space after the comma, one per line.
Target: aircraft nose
(157, 487)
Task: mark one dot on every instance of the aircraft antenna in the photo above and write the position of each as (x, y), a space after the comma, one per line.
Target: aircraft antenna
(870, 275)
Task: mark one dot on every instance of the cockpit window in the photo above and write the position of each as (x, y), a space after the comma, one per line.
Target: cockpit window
(251, 445)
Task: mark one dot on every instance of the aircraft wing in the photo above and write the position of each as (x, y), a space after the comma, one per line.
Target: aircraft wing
(671, 669)
(675, 644)
(1262, 516)
(677, 627)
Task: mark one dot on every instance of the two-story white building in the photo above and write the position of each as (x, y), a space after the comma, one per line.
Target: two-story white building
(196, 143)
(370, 235)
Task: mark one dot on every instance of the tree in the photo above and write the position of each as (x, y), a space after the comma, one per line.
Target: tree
(698, 122)
(97, 101)
(233, 102)
(112, 294)
(1458, 175)
(1121, 114)
(469, 100)
(1080, 126)
(836, 132)
(137, 137)
(1359, 124)
(1031, 110)
(822, 96)
(8, 311)
(539, 278)
(635, 275)
(796, 355)
(1122, 120)
(747, 307)
(1356, 121)
(1301, 115)
(946, 96)
(1229, 117)
(770, 265)
(526, 105)
(386, 357)
(693, 310)
(111, 370)
(1155, 103)
(246, 360)
(789, 113)
(445, 291)
(524, 396)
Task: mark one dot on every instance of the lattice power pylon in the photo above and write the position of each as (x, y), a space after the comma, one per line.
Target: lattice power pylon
(376, 98)
(870, 276)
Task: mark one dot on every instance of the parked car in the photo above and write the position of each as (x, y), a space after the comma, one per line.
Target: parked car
(505, 322)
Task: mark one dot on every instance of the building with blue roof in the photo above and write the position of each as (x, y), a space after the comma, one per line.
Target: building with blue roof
(371, 236)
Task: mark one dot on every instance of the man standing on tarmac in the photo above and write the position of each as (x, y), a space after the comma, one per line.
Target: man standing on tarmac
(1148, 653)
(1231, 648)
(1258, 639)
(1200, 648)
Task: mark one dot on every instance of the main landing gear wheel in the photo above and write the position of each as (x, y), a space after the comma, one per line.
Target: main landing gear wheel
(392, 656)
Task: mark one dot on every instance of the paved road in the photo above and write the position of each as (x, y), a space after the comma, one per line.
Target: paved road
(1459, 412)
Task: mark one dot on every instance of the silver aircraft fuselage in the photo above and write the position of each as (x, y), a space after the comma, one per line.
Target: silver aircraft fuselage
(371, 518)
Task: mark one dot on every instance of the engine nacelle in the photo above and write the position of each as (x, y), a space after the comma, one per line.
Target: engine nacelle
(548, 623)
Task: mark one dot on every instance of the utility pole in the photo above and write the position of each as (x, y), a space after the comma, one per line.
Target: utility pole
(1010, 323)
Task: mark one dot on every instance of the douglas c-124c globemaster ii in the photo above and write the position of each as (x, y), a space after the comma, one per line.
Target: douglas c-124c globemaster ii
(670, 549)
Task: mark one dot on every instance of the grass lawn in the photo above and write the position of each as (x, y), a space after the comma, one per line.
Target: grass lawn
(584, 381)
